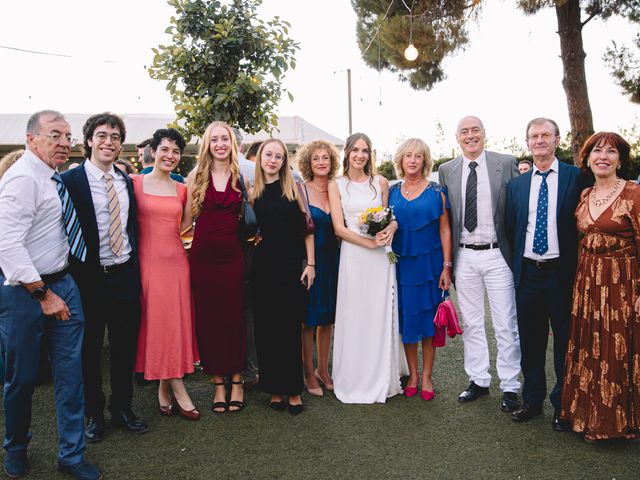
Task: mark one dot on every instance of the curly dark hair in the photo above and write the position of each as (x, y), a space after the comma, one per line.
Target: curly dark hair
(604, 138)
(306, 153)
(94, 121)
(170, 134)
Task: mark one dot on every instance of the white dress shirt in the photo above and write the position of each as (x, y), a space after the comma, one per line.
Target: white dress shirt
(552, 224)
(247, 169)
(485, 231)
(32, 237)
(98, 188)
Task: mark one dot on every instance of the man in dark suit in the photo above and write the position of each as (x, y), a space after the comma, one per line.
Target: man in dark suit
(109, 279)
(476, 184)
(540, 220)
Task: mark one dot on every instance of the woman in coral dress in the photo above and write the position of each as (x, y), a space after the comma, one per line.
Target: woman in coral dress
(166, 343)
(217, 264)
(601, 392)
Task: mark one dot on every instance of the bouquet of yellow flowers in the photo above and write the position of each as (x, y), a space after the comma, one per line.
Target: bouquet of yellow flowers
(373, 221)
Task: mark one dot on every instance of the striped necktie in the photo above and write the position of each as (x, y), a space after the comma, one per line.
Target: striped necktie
(77, 247)
(471, 199)
(115, 224)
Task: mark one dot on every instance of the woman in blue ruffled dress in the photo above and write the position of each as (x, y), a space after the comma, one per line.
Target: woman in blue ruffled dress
(423, 242)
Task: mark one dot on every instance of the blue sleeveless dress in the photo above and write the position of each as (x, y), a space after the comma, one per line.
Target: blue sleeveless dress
(321, 309)
(417, 242)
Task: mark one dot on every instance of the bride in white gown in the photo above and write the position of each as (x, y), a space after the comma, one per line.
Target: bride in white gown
(366, 349)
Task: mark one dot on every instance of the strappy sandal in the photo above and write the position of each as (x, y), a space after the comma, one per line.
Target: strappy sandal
(216, 406)
(238, 404)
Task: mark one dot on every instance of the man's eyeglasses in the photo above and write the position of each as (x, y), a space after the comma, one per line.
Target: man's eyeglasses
(56, 137)
(543, 136)
(102, 136)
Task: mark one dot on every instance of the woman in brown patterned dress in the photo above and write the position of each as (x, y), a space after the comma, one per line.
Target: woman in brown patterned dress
(601, 394)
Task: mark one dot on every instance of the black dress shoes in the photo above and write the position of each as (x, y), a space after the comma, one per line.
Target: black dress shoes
(94, 431)
(559, 424)
(128, 421)
(527, 412)
(473, 393)
(509, 402)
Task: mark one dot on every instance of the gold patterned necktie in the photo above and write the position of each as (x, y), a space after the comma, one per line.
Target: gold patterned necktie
(115, 224)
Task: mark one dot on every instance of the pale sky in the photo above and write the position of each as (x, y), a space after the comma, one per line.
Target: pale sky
(509, 73)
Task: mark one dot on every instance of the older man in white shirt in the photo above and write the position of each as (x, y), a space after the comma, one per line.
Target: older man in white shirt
(38, 297)
(476, 183)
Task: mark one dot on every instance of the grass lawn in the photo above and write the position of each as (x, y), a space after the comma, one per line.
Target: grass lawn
(404, 438)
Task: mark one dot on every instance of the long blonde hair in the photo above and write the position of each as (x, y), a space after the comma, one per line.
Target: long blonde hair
(204, 162)
(286, 179)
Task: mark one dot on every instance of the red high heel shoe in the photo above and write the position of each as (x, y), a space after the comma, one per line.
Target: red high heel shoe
(165, 410)
(411, 391)
(186, 414)
(427, 395)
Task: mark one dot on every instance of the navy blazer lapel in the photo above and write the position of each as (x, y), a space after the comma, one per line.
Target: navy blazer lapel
(563, 186)
(86, 210)
(524, 194)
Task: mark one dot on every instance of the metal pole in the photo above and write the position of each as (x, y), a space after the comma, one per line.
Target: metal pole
(349, 93)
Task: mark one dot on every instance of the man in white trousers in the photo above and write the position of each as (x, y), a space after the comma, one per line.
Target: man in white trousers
(476, 186)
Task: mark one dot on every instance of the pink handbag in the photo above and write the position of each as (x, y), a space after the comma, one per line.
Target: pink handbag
(446, 322)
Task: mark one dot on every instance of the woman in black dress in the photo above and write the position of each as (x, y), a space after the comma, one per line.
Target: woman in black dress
(280, 282)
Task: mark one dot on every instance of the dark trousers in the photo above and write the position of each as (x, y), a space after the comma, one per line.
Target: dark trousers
(120, 315)
(542, 299)
(22, 328)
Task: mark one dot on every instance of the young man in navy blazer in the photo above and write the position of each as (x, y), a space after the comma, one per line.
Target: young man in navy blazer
(540, 221)
(109, 279)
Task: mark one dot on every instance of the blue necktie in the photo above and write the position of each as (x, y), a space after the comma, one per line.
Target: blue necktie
(540, 238)
(77, 247)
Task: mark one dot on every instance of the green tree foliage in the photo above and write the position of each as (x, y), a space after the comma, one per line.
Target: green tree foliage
(440, 29)
(388, 170)
(224, 63)
(625, 68)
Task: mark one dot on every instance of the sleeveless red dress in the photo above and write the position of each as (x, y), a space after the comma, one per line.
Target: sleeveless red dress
(217, 265)
(166, 342)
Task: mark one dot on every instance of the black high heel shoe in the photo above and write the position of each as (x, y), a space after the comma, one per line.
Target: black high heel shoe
(239, 404)
(295, 409)
(216, 406)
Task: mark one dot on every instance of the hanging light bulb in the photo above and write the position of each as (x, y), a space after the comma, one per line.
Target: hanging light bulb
(411, 53)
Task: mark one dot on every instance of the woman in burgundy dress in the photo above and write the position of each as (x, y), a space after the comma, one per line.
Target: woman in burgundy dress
(217, 263)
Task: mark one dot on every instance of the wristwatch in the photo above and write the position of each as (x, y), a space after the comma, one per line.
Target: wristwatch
(40, 292)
